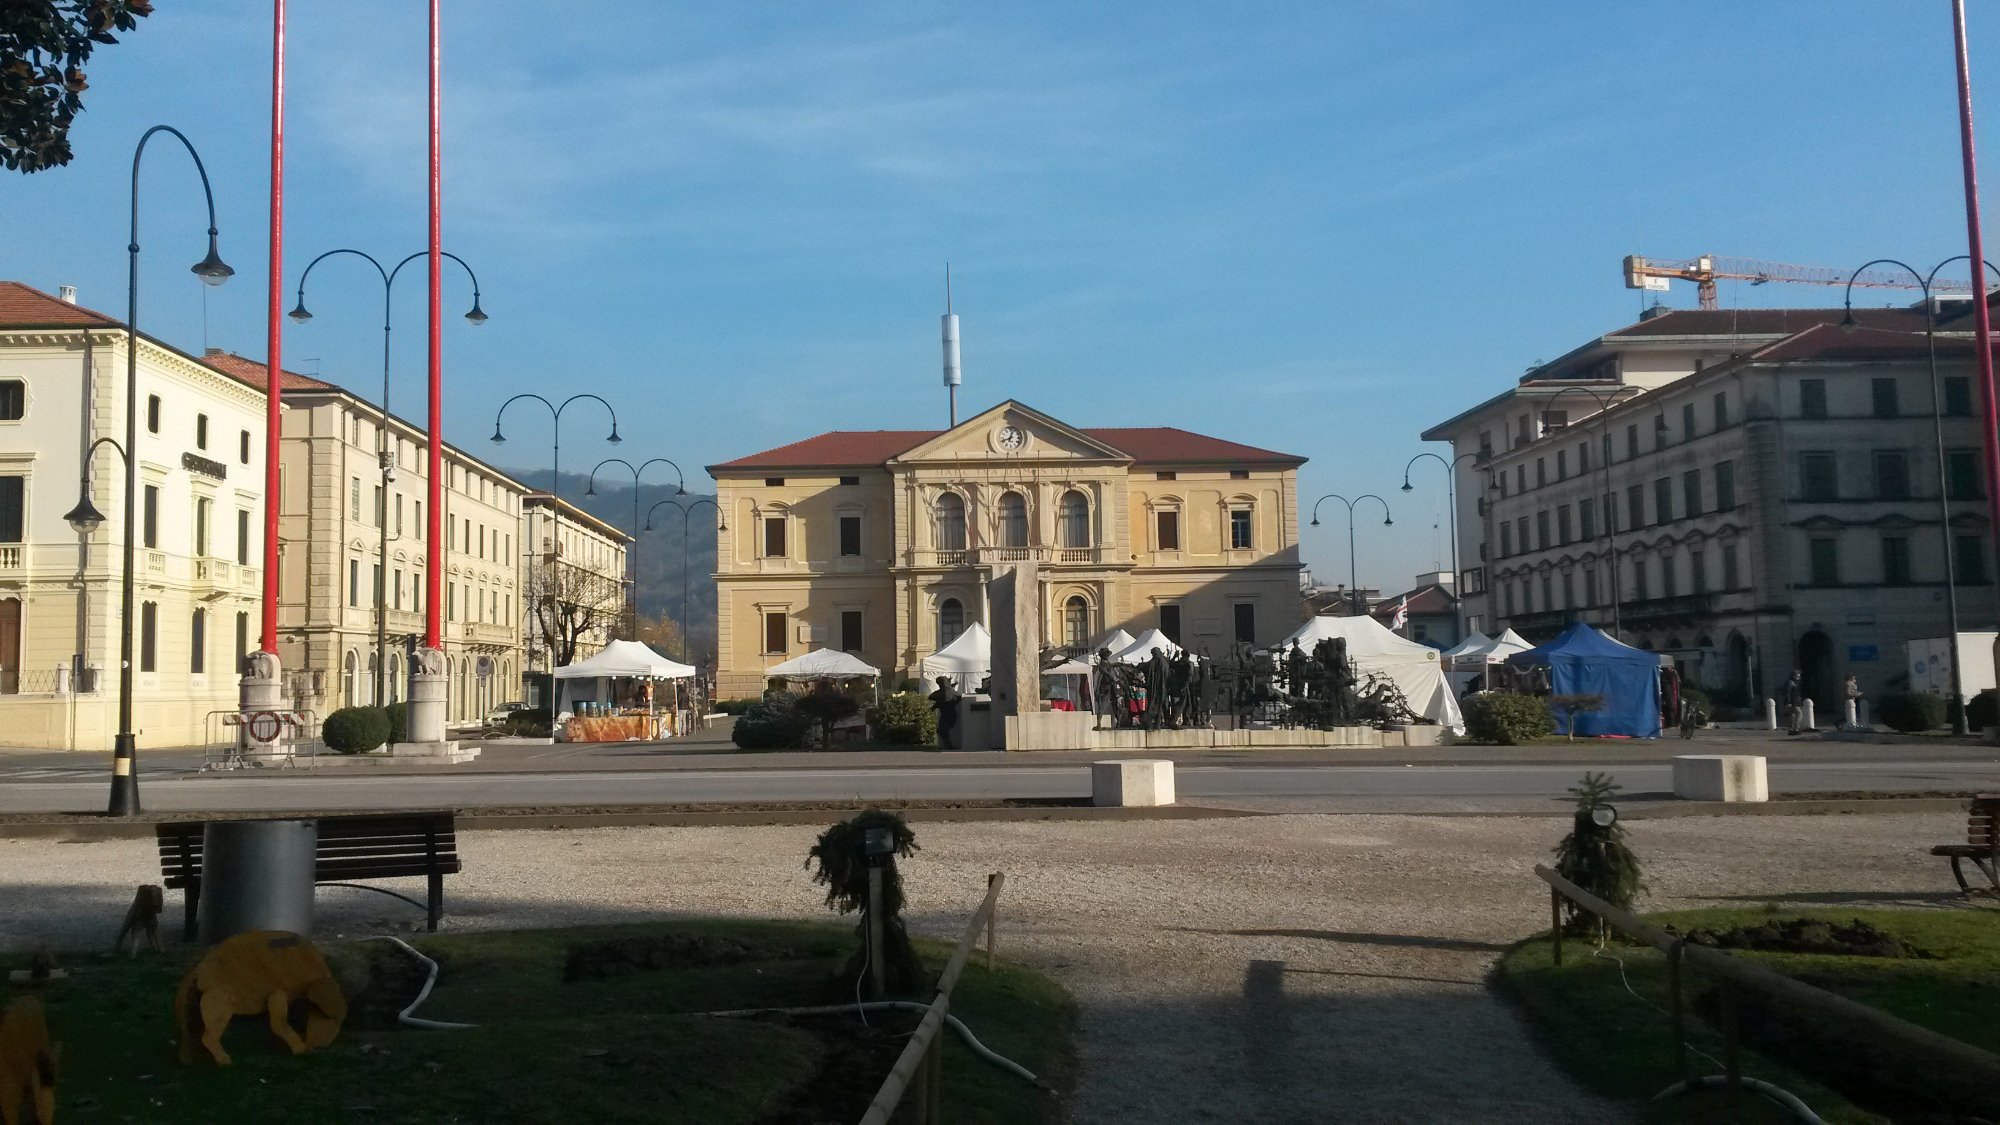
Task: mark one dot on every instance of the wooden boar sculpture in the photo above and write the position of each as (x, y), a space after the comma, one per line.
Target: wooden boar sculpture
(27, 1065)
(260, 972)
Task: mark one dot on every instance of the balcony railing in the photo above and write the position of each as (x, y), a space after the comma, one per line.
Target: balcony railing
(156, 563)
(14, 557)
(986, 556)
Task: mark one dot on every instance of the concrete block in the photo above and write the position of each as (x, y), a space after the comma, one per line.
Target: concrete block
(1050, 730)
(1720, 777)
(1131, 784)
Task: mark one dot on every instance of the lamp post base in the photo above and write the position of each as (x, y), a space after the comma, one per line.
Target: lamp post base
(263, 735)
(429, 685)
(124, 776)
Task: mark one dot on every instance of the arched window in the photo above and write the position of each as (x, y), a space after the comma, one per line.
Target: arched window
(369, 688)
(351, 677)
(951, 621)
(1076, 621)
(198, 642)
(1074, 520)
(951, 522)
(1013, 520)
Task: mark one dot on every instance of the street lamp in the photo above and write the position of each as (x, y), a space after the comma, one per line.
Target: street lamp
(1353, 581)
(384, 458)
(721, 524)
(1849, 324)
(1451, 505)
(590, 489)
(555, 486)
(212, 270)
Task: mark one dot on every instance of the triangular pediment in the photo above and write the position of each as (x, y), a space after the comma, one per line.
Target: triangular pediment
(1011, 432)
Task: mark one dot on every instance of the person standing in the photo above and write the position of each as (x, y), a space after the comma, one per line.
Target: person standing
(1850, 690)
(1795, 698)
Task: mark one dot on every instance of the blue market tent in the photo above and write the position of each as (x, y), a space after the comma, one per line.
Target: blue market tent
(1584, 661)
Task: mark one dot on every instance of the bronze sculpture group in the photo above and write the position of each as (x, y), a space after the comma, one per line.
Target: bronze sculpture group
(1320, 690)
(1161, 692)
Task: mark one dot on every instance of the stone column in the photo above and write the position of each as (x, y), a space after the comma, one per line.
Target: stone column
(261, 690)
(429, 685)
(1017, 656)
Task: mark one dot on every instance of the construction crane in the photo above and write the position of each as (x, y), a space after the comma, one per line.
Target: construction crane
(1705, 271)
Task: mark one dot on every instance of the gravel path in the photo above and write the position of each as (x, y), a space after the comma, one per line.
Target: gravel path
(1277, 969)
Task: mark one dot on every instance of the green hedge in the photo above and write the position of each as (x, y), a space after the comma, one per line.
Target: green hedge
(1911, 711)
(733, 706)
(904, 719)
(772, 723)
(355, 730)
(1507, 718)
(398, 715)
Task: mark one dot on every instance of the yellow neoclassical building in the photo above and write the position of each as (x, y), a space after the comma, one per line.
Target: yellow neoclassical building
(880, 542)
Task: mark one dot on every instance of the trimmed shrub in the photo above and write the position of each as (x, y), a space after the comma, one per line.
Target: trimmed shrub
(733, 706)
(1911, 711)
(399, 721)
(355, 730)
(826, 707)
(533, 722)
(904, 719)
(1983, 711)
(772, 723)
(1507, 718)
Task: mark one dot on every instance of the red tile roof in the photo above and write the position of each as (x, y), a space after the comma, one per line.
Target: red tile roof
(23, 306)
(258, 374)
(1425, 601)
(1833, 342)
(1150, 445)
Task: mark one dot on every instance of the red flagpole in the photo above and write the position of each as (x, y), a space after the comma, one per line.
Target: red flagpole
(434, 553)
(273, 330)
(1982, 321)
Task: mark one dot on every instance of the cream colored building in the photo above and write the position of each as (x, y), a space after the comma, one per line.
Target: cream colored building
(581, 560)
(881, 542)
(333, 575)
(198, 573)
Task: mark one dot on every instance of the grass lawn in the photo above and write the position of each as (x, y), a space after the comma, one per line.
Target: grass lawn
(1619, 1046)
(620, 1048)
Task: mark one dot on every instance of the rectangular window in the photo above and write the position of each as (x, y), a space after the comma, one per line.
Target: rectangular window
(149, 621)
(451, 601)
(850, 537)
(152, 414)
(850, 480)
(850, 630)
(1610, 513)
(1957, 396)
(1969, 558)
(243, 447)
(1698, 567)
(1732, 577)
(1589, 586)
(353, 582)
(1812, 398)
(198, 642)
(1818, 478)
(1669, 581)
(1507, 595)
(1687, 421)
(774, 633)
(399, 514)
(1169, 527)
(1562, 464)
(1883, 394)
(1521, 477)
(1962, 474)
(1166, 475)
(1569, 589)
(202, 507)
(1506, 539)
(1542, 530)
(1239, 529)
(354, 499)
(1725, 486)
(1541, 472)
(1170, 622)
(1691, 493)
(1895, 560)
(1823, 561)
(1521, 529)
(1631, 441)
(1635, 507)
(149, 518)
(242, 637)
(1586, 518)
(1721, 409)
(774, 537)
(1583, 457)
(201, 431)
(1548, 593)
(243, 537)
(396, 597)
(1892, 474)
(1246, 622)
(1663, 500)
(13, 509)
(377, 572)
(1562, 525)
(381, 507)
(13, 400)
(1639, 580)
(1607, 448)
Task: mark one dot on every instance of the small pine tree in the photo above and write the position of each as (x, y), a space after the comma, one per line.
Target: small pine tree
(1596, 858)
(839, 866)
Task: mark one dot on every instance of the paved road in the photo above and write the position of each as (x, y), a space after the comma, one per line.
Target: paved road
(1325, 786)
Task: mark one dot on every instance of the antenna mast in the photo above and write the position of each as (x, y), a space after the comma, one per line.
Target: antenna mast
(951, 371)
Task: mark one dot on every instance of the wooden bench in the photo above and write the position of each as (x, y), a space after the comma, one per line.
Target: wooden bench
(1982, 843)
(376, 846)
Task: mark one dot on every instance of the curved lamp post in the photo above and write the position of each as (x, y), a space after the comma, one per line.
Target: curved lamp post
(85, 517)
(590, 489)
(1353, 582)
(1451, 505)
(384, 458)
(1849, 324)
(721, 524)
(555, 483)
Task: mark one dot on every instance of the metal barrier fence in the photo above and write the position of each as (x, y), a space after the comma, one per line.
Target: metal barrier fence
(297, 735)
(1962, 1061)
(922, 1055)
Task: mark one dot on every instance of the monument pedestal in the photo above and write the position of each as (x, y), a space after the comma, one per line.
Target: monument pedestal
(426, 713)
(261, 741)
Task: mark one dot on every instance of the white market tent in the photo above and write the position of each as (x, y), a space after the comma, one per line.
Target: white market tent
(823, 664)
(1414, 667)
(967, 659)
(618, 660)
(1142, 649)
(1470, 658)
(1118, 640)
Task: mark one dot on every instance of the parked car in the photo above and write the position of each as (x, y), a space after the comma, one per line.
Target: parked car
(499, 715)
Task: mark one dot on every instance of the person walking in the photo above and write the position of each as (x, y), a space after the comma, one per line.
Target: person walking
(1795, 698)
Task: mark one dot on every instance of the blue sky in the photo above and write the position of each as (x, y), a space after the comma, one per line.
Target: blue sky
(1315, 227)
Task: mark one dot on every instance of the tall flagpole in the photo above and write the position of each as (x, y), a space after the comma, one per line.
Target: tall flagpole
(430, 680)
(1982, 321)
(273, 331)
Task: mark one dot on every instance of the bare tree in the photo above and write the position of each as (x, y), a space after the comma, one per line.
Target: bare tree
(568, 607)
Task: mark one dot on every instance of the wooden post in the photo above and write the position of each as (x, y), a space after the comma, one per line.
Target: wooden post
(875, 959)
(1556, 923)
(990, 916)
(1678, 1011)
